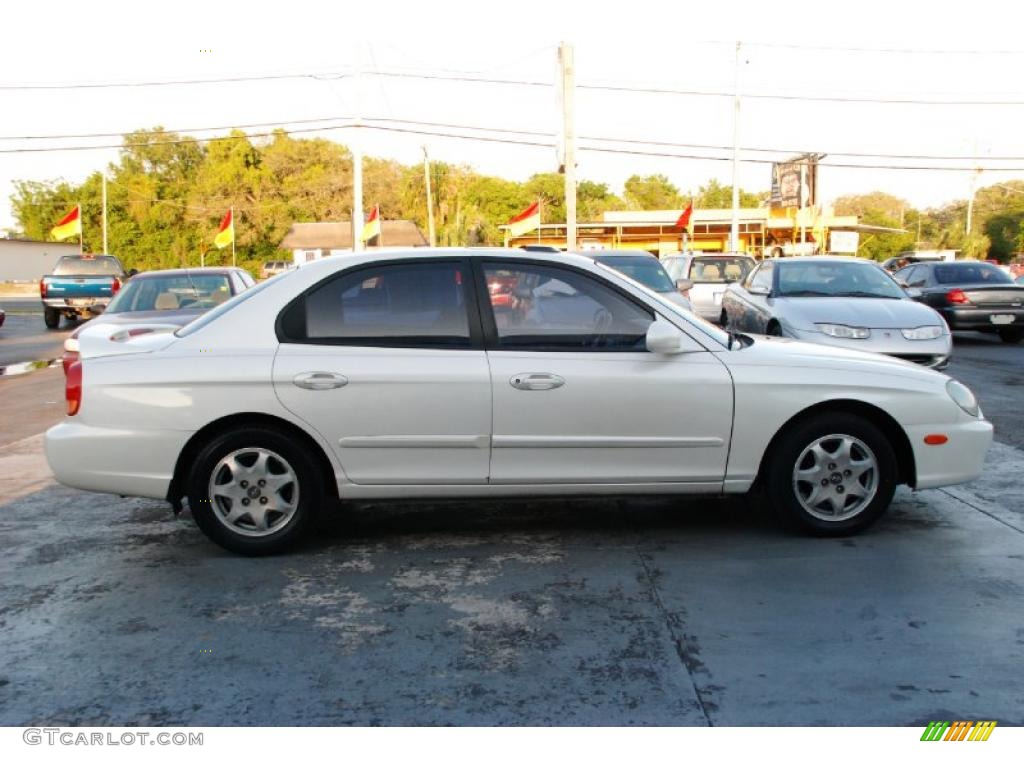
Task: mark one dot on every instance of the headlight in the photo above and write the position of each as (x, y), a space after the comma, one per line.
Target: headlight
(924, 333)
(963, 397)
(843, 331)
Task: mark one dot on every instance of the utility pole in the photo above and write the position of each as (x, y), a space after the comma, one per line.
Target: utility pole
(734, 231)
(970, 201)
(357, 159)
(430, 198)
(105, 212)
(568, 81)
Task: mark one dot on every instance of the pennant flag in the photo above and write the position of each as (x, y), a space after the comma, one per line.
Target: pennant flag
(525, 221)
(69, 226)
(684, 217)
(371, 228)
(226, 234)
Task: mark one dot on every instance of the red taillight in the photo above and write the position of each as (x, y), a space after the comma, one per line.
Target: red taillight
(42, 288)
(67, 359)
(957, 296)
(115, 286)
(73, 388)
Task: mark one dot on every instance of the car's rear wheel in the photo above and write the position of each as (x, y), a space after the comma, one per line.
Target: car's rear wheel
(51, 317)
(1011, 335)
(254, 491)
(831, 474)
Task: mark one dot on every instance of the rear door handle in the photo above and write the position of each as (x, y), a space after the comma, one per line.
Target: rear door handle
(534, 382)
(318, 380)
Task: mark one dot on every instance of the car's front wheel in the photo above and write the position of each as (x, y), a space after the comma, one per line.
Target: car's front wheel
(254, 491)
(832, 474)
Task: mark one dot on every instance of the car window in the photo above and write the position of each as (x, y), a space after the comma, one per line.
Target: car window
(718, 269)
(674, 267)
(204, 320)
(645, 270)
(967, 273)
(857, 279)
(914, 277)
(171, 292)
(389, 305)
(550, 309)
(762, 276)
(87, 265)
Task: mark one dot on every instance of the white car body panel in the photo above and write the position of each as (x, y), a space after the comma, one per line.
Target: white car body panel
(427, 422)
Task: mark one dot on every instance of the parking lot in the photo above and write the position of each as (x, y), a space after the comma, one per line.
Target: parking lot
(613, 612)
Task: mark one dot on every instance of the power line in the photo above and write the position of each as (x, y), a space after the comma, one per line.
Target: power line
(159, 83)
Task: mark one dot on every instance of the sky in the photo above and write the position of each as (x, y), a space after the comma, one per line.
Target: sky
(876, 56)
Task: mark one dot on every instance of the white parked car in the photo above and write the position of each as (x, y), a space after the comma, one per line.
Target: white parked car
(484, 373)
(709, 274)
(840, 301)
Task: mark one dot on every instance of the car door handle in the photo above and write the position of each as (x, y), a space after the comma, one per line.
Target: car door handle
(534, 382)
(318, 380)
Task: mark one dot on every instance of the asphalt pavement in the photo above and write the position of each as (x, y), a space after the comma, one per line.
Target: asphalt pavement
(582, 612)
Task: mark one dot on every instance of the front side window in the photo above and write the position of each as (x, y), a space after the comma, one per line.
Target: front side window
(762, 277)
(553, 309)
(386, 305)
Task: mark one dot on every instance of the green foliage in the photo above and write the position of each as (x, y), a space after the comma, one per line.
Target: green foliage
(652, 193)
(714, 194)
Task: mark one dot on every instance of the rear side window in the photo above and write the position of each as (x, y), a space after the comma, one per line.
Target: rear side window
(87, 265)
(719, 270)
(401, 305)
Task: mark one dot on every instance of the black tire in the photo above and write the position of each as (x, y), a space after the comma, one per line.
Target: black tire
(51, 317)
(782, 464)
(1011, 335)
(309, 487)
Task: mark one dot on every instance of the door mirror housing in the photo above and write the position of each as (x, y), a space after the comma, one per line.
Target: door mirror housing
(758, 290)
(683, 285)
(665, 339)
(914, 293)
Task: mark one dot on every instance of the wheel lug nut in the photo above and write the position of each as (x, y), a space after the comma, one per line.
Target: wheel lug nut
(263, 499)
(824, 481)
(847, 473)
(245, 502)
(840, 488)
(262, 483)
(831, 466)
(244, 483)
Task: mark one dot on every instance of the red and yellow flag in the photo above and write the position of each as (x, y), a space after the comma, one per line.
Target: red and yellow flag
(69, 226)
(371, 228)
(684, 218)
(525, 221)
(226, 234)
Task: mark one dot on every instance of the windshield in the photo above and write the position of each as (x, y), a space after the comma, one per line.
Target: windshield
(719, 270)
(203, 320)
(832, 278)
(144, 294)
(953, 274)
(647, 271)
(87, 265)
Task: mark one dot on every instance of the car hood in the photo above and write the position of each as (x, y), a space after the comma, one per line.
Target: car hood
(805, 312)
(784, 352)
(177, 317)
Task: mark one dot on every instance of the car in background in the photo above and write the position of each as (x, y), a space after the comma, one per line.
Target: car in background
(3, 316)
(839, 301)
(81, 284)
(1020, 280)
(970, 295)
(916, 257)
(391, 374)
(271, 268)
(645, 269)
(167, 298)
(710, 274)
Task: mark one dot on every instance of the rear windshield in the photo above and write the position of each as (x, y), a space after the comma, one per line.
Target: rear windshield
(203, 320)
(87, 265)
(964, 274)
(171, 292)
(719, 270)
(646, 271)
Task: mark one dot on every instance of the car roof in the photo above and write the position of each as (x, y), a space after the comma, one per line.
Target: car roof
(823, 260)
(185, 271)
(620, 253)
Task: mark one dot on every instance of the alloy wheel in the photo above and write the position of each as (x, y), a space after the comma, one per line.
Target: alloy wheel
(835, 477)
(254, 492)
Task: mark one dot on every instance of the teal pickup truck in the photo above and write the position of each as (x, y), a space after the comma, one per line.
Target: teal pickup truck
(82, 284)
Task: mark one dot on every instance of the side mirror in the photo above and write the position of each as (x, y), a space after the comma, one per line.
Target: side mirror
(664, 338)
(758, 290)
(132, 273)
(914, 293)
(683, 285)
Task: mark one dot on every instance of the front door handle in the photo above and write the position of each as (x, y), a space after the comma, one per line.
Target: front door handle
(534, 382)
(318, 380)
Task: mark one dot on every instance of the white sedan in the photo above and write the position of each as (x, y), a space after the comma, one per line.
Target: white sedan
(487, 373)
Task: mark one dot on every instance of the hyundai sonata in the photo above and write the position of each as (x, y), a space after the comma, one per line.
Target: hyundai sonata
(485, 373)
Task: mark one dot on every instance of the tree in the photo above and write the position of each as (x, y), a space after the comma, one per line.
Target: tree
(651, 193)
(714, 194)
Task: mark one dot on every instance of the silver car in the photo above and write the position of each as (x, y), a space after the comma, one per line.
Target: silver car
(842, 302)
(710, 274)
